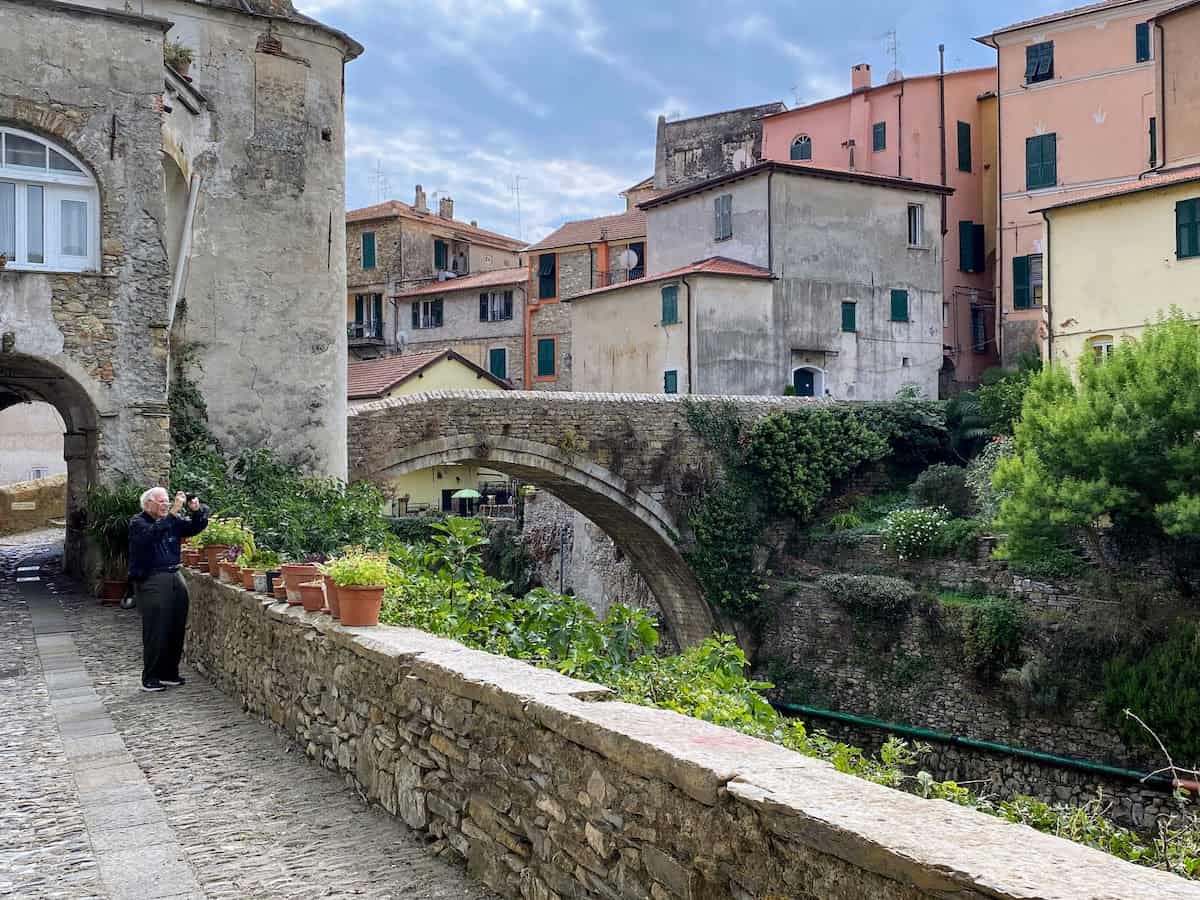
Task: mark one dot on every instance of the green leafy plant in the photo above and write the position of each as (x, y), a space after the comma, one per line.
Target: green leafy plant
(1002, 393)
(870, 597)
(979, 478)
(913, 533)
(357, 570)
(109, 511)
(226, 532)
(992, 631)
(845, 521)
(177, 55)
(259, 560)
(944, 486)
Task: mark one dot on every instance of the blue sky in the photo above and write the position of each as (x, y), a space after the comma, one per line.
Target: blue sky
(464, 96)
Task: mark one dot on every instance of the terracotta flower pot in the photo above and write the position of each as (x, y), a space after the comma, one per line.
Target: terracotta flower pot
(231, 573)
(213, 554)
(279, 591)
(331, 597)
(294, 575)
(113, 589)
(189, 557)
(360, 604)
(202, 566)
(312, 596)
(248, 579)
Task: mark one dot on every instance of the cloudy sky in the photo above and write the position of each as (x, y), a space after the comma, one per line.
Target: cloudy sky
(467, 96)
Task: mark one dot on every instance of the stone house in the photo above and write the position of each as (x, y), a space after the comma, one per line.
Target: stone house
(778, 276)
(127, 192)
(393, 249)
(703, 147)
(931, 128)
(578, 257)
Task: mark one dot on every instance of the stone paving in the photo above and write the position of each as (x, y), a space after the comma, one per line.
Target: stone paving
(108, 792)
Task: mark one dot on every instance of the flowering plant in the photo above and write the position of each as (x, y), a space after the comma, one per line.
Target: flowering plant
(911, 533)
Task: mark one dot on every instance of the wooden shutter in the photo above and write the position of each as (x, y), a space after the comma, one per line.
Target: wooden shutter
(1045, 61)
(1031, 62)
(416, 315)
(1050, 159)
(718, 233)
(435, 313)
(508, 310)
(547, 282)
(879, 136)
(849, 316)
(483, 307)
(979, 248)
(368, 250)
(545, 357)
(966, 247)
(1041, 161)
(670, 304)
(671, 382)
(1153, 142)
(1022, 295)
(378, 314)
(899, 306)
(964, 147)
(358, 309)
(498, 362)
(1187, 224)
(1143, 41)
(439, 255)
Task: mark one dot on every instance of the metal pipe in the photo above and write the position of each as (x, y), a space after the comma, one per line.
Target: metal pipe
(185, 247)
(689, 330)
(1065, 762)
(942, 128)
(1047, 293)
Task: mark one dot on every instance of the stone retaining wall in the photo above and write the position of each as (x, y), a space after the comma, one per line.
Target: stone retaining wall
(548, 789)
(28, 505)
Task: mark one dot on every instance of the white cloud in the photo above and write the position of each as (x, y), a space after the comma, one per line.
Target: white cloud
(672, 107)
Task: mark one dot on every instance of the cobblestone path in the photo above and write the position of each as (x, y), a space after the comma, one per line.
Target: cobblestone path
(108, 792)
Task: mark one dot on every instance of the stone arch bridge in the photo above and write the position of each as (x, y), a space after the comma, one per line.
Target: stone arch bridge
(622, 460)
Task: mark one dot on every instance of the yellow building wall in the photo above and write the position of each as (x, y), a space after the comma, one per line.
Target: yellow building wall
(1113, 269)
(620, 344)
(445, 375)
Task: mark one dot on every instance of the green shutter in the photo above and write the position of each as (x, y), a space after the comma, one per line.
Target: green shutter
(1153, 142)
(545, 357)
(1187, 225)
(483, 307)
(416, 315)
(1041, 161)
(1022, 294)
(498, 362)
(670, 304)
(547, 276)
(899, 306)
(879, 136)
(358, 309)
(368, 250)
(966, 247)
(378, 312)
(1031, 62)
(849, 316)
(979, 248)
(1143, 41)
(671, 382)
(440, 253)
(964, 147)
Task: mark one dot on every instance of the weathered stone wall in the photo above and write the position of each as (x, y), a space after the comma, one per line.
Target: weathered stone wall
(706, 146)
(547, 789)
(28, 505)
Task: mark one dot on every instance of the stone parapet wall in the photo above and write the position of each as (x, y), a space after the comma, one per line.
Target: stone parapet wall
(28, 505)
(549, 789)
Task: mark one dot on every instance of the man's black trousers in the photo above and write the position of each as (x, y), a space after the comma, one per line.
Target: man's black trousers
(162, 599)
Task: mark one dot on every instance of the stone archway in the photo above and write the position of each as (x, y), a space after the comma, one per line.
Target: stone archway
(637, 523)
(28, 379)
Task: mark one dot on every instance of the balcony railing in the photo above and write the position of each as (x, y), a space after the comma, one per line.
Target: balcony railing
(364, 332)
(617, 276)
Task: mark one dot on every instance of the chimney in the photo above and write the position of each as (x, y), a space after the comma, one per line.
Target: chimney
(419, 202)
(446, 208)
(860, 77)
(474, 223)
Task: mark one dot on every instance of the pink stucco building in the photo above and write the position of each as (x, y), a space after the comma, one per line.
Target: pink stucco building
(1078, 113)
(934, 129)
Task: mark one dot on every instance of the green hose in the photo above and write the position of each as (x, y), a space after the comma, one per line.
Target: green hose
(941, 737)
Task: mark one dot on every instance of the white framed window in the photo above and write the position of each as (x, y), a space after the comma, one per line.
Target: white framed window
(916, 225)
(495, 306)
(38, 472)
(1102, 347)
(49, 206)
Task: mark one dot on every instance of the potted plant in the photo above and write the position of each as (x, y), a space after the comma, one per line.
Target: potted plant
(219, 537)
(312, 596)
(295, 574)
(109, 510)
(178, 56)
(360, 579)
(255, 563)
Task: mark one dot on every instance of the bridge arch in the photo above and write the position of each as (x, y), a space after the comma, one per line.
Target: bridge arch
(637, 523)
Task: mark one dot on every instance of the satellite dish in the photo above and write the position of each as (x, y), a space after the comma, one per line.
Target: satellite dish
(894, 76)
(627, 259)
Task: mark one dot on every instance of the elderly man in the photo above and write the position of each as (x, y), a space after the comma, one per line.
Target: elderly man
(154, 539)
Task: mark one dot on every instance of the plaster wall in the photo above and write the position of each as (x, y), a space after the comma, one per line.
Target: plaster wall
(31, 436)
(683, 232)
(1107, 279)
(706, 146)
(1178, 79)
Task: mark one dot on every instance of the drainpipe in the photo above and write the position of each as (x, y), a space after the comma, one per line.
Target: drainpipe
(999, 223)
(942, 127)
(689, 330)
(1159, 48)
(900, 129)
(770, 234)
(185, 248)
(1048, 294)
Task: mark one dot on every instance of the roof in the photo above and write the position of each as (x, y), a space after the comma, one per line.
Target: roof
(283, 9)
(796, 168)
(396, 209)
(1058, 16)
(1175, 9)
(775, 105)
(495, 278)
(714, 265)
(648, 182)
(627, 225)
(880, 87)
(1149, 183)
(375, 377)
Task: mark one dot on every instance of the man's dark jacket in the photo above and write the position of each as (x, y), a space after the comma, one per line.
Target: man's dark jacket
(154, 546)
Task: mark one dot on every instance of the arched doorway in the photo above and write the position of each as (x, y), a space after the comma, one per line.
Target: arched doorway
(808, 381)
(28, 379)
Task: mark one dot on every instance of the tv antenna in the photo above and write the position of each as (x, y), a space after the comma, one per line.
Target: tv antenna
(383, 185)
(515, 188)
(892, 49)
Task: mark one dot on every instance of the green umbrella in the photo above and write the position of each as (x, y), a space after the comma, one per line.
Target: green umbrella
(466, 494)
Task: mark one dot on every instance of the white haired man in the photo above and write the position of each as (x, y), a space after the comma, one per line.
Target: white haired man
(154, 538)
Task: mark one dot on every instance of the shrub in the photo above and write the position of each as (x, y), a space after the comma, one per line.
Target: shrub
(727, 521)
(109, 511)
(979, 478)
(956, 537)
(259, 559)
(944, 486)
(845, 521)
(871, 597)
(992, 632)
(413, 529)
(1002, 394)
(1163, 688)
(913, 533)
(507, 558)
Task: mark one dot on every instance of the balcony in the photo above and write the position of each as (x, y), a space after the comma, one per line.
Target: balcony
(617, 276)
(364, 334)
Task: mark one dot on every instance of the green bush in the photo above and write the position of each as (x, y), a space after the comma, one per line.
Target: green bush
(727, 521)
(845, 521)
(109, 511)
(992, 631)
(870, 597)
(913, 533)
(413, 529)
(944, 486)
(1163, 688)
(226, 532)
(956, 537)
(979, 478)
(507, 558)
(1002, 394)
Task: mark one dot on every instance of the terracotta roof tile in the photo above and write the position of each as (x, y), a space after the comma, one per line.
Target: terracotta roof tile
(375, 377)
(593, 231)
(714, 265)
(394, 208)
(479, 280)
(1149, 183)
